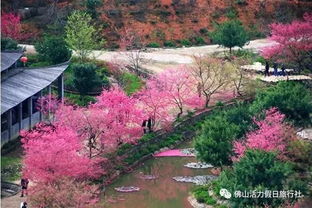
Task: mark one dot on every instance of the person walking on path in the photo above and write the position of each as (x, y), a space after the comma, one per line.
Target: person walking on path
(24, 184)
(275, 69)
(283, 70)
(23, 205)
(267, 67)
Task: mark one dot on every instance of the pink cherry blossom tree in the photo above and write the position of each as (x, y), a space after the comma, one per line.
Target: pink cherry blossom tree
(155, 106)
(125, 116)
(113, 120)
(294, 42)
(52, 152)
(48, 104)
(269, 136)
(65, 192)
(178, 87)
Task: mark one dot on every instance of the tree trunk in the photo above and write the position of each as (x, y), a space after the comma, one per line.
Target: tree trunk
(207, 100)
(180, 113)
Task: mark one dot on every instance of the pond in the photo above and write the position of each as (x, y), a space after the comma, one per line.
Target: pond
(162, 192)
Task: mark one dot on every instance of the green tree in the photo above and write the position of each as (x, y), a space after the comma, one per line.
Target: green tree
(53, 49)
(8, 44)
(259, 170)
(230, 34)
(81, 35)
(241, 117)
(214, 143)
(85, 78)
(291, 98)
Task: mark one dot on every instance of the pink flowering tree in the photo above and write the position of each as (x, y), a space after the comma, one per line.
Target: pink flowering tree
(178, 87)
(113, 120)
(294, 42)
(65, 192)
(269, 136)
(52, 152)
(48, 105)
(155, 106)
(124, 115)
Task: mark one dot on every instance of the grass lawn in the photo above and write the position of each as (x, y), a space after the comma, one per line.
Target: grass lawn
(10, 168)
(11, 161)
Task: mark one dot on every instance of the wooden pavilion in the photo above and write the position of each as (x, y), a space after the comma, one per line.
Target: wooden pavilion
(20, 90)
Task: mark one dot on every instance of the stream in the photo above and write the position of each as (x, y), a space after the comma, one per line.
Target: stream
(162, 192)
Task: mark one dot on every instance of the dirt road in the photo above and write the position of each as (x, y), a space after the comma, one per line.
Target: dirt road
(159, 59)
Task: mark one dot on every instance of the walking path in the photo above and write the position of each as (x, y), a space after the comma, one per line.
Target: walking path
(161, 58)
(13, 201)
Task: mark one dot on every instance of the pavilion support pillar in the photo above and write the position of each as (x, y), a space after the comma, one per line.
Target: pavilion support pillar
(10, 123)
(20, 116)
(30, 111)
(40, 113)
(60, 86)
(49, 90)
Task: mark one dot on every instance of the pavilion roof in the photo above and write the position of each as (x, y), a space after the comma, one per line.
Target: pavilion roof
(27, 82)
(9, 58)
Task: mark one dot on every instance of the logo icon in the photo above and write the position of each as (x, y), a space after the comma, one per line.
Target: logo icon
(225, 193)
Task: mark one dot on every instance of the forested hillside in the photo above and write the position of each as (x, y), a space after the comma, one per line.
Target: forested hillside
(158, 21)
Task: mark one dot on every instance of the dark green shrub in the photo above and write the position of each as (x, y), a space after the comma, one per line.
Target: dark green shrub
(185, 42)
(8, 44)
(170, 44)
(214, 142)
(91, 6)
(201, 194)
(103, 73)
(203, 31)
(147, 137)
(241, 117)
(53, 49)
(259, 170)
(123, 148)
(80, 100)
(219, 103)
(85, 78)
(231, 13)
(292, 98)
(199, 41)
(153, 45)
(241, 2)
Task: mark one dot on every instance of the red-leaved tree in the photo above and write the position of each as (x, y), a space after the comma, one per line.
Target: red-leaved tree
(294, 42)
(270, 135)
(11, 27)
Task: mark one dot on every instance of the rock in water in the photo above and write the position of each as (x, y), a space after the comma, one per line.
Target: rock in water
(198, 180)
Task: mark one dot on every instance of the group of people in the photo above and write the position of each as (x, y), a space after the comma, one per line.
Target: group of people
(147, 126)
(275, 72)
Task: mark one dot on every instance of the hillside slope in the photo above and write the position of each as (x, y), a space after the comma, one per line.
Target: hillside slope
(161, 20)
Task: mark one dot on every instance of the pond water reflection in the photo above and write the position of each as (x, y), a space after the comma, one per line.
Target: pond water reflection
(162, 192)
